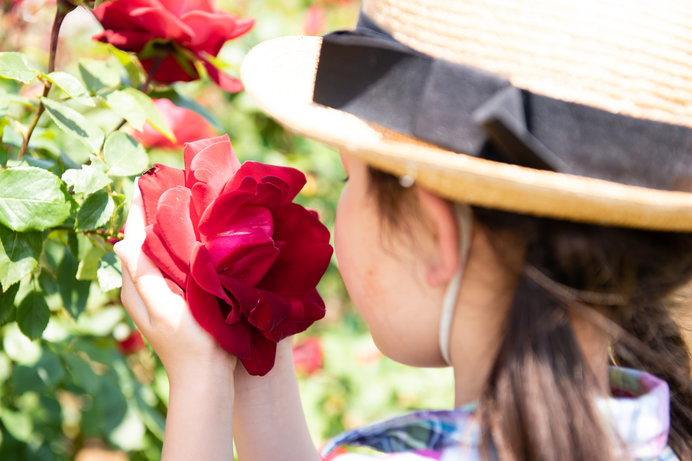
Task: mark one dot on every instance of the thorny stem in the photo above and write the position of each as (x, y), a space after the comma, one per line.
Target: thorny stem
(60, 13)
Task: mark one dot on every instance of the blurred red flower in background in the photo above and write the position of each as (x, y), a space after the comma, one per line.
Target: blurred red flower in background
(308, 356)
(132, 343)
(170, 36)
(229, 238)
(187, 126)
(314, 20)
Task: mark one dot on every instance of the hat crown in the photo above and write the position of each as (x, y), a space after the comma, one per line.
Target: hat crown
(632, 57)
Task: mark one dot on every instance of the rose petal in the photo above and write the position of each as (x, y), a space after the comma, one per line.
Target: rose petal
(245, 295)
(155, 182)
(269, 195)
(212, 162)
(193, 148)
(233, 338)
(294, 179)
(172, 68)
(173, 223)
(247, 262)
(213, 29)
(116, 15)
(241, 220)
(179, 8)
(128, 40)
(187, 126)
(203, 271)
(225, 81)
(208, 158)
(219, 215)
(262, 355)
(270, 311)
(161, 22)
(170, 265)
(304, 256)
(305, 310)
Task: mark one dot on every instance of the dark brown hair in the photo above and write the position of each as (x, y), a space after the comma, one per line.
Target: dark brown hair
(540, 399)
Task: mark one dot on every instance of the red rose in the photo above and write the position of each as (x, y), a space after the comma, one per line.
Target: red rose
(308, 356)
(183, 31)
(187, 126)
(314, 20)
(133, 343)
(228, 237)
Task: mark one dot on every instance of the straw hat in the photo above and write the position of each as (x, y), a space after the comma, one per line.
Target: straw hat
(578, 110)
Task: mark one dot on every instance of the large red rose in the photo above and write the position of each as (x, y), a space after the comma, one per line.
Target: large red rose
(187, 126)
(228, 237)
(172, 33)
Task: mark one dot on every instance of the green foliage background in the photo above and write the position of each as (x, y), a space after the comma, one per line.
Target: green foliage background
(67, 391)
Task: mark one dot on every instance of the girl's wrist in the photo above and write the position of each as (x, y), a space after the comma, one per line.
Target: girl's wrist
(260, 386)
(218, 367)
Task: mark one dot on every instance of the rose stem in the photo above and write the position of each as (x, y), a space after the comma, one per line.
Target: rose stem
(62, 8)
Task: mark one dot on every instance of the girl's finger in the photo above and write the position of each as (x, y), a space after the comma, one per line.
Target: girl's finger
(133, 303)
(135, 227)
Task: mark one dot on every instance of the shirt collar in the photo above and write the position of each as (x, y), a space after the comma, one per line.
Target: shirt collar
(638, 412)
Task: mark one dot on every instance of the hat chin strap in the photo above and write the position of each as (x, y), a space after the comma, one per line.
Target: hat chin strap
(465, 220)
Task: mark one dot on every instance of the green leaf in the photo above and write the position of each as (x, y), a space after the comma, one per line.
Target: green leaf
(89, 178)
(42, 376)
(74, 123)
(109, 272)
(126, 106)
(14, 65)
(129, 434)
(33, 314)
(153, 116)
(74, 293)
(82, 373)
(7, 301)
(129, 62)
(89, 264)
(98, 75)
(18, 424)
(31, 199)
(18, 347)
(50, 368)
(124, 156)
(4, 104)
(95, 211)
(119, 216)
(11, 135)
(19, 253)
(68, 83)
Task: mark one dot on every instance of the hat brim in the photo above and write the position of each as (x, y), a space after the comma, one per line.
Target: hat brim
(279, 74)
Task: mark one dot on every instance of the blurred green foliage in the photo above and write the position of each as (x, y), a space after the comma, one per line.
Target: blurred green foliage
(73, 384)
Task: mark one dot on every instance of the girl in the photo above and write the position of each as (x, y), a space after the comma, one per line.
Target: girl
(517, 208)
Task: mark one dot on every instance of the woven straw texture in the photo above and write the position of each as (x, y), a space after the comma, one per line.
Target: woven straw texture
(279, 75)
(626, 56)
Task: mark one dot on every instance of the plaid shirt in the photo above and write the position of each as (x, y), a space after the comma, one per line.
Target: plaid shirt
(638, 412)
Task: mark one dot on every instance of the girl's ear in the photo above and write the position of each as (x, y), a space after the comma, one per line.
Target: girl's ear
(445, 262)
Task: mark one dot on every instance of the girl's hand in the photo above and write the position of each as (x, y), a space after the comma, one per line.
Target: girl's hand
(161, 315)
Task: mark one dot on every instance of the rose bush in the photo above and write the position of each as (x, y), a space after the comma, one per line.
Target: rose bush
(170, 36)
(229, 239)
(187, 126)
